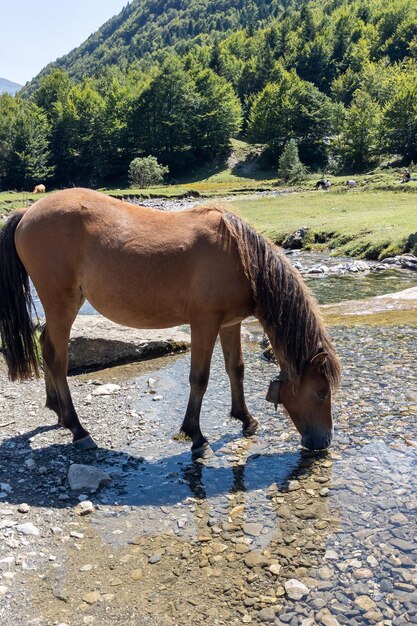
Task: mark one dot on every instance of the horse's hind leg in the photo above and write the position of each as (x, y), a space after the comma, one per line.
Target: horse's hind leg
(54, 343)
(232, 350)
(52, 401)
(203, 338)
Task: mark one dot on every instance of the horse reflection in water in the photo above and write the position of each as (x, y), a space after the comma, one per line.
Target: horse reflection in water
(281, 512)
(145, 268)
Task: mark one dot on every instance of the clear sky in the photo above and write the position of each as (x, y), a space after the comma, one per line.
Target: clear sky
(35, 32)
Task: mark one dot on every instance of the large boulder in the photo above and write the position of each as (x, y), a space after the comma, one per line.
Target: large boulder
(96, 342)
(299, 238)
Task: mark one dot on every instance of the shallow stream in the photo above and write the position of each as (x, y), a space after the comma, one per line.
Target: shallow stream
(343, 523)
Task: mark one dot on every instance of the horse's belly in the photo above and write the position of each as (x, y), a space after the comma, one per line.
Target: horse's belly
(138, 309)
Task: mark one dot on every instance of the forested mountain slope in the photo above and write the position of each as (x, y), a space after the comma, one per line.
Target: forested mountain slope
(176, 79)
(149, 28)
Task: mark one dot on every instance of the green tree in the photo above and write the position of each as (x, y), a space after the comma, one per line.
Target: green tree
(9, 108)
(32, 154)
(78, 135)
(400, 115)
(292, 109)
(218, 114)
(52, 88)
(290, 167)
(164, 115)
(360, 133)
(114, 131)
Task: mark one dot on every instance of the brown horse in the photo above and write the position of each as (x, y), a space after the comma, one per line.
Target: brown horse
(151, 269)
(39, 189)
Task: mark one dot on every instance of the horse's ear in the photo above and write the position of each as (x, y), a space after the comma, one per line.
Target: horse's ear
(320, 359)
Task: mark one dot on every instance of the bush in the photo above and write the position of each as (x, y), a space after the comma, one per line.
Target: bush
(411, 245)
(290, 167)
(146, 171)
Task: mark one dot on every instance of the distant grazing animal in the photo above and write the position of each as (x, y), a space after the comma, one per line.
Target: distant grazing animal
(324, 183)
(146, 268)
(39, 189)
(351, 183)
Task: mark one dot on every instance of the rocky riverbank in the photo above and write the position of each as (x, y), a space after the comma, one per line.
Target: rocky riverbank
(258, 534)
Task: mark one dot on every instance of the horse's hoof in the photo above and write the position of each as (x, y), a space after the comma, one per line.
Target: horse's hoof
(203, 452)
(86, 443)
(251, 429)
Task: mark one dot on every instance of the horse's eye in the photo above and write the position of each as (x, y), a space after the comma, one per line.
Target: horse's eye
(322, 395)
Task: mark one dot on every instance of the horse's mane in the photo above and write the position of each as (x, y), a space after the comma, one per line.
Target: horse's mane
(284, 304)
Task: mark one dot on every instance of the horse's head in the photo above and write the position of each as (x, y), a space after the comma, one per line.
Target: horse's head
(308, 403)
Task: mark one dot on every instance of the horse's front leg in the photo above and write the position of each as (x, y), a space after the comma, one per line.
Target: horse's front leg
(203, 338)
(232, 350)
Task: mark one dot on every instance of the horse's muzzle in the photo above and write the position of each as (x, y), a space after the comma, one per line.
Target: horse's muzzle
(317, 440)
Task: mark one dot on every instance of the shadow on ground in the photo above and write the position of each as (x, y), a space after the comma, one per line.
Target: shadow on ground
(41, 472)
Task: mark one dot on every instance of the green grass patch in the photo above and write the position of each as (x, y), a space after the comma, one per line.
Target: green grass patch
(356, 223)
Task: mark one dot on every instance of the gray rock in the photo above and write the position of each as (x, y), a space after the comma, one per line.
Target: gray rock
(297, 239)
(96, 342)
(28, 529)
(405, 261)
(403, 544)
(295, 589)
(106, 390)
(266, 615)
(365, 603)
(357, 266)
(86, 477)
(155, 558)
(84, 508)
(253, 529)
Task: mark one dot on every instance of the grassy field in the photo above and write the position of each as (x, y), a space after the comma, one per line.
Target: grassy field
(357, 223)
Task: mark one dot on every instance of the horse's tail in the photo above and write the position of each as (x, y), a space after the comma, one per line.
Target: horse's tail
(284, 305)
(18, 341)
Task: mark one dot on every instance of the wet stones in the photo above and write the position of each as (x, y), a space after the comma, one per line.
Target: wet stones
(299, 238)
(295, 589)
(405, 261)
(365, 603)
